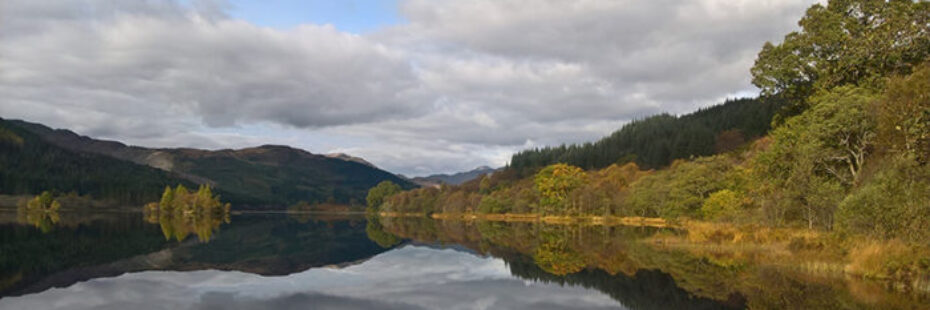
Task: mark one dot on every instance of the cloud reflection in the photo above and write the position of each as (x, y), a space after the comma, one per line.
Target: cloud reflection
(406, 278)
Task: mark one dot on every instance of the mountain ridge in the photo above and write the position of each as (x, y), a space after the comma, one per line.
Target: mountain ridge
(255, 176)
(454, 178)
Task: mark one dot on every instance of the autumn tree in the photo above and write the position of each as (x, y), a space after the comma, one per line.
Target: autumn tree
(554, 184)
(903, 115)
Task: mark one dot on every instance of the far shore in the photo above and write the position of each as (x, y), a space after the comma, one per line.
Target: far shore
(548, 219)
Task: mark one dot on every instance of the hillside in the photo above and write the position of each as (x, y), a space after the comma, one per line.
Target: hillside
(656, 141)
(29, 165)
(453, 179)
(265, 176)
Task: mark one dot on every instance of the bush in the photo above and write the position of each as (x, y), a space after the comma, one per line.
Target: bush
(895, 203)
(722, 205)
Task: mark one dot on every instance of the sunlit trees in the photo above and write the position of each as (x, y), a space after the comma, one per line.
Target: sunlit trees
(722, 205)
(181, 213)
(40, 211)
(555, 183)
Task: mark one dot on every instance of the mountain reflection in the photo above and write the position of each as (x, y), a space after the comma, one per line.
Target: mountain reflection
(390, 263)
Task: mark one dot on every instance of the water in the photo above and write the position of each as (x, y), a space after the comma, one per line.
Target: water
(305, 261)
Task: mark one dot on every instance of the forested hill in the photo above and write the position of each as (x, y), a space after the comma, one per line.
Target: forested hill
(268, 176)
(656, 141)
(30, 165)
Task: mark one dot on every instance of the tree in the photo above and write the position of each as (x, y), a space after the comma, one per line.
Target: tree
(815, 157)
(846, 42)
(554, 184)
(378, 194)
(723, 204)
(892, 204)
(903, 114)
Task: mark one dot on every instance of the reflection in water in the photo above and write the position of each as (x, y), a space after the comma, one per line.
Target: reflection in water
(181, 213)
(88, 246)
(628, 264)
(275, 260)
(43, 219)
(180, 226)
(410, 277)
(41, 212)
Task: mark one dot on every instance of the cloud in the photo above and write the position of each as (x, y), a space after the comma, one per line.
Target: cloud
(405, 278)
(460, 83)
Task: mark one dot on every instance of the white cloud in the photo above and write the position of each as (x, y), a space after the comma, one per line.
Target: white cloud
(405, 278)
(456, 86)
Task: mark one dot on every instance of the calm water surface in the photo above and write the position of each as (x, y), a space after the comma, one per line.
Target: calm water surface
(302, 261)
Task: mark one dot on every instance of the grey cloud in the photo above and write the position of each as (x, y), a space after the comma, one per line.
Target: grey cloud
(455, 86)
(219, 70)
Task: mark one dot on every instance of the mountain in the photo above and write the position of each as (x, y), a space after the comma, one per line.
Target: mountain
(347, 157)
(259, 177)
(30, 165)
(453, 179)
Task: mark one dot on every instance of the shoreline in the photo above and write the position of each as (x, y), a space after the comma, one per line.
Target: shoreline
(529, 217)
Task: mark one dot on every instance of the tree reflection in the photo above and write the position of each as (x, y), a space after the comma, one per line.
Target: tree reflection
(633, 265)
(41, 212)
(181, 213)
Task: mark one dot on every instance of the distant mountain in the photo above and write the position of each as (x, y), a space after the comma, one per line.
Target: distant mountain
(453, 179)
(347, 157)
(264, 176)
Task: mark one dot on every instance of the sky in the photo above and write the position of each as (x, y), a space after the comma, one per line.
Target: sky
(414, 86)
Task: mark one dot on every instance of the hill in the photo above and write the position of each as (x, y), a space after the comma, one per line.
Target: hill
(29, 165)
(259, 177)
(656, 141)
(453, 179)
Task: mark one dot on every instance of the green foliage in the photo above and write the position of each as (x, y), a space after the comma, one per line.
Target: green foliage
(846, 42)
(895, 203)
(681, 189)
(377, 194)
(903, 115)
(656, 141)
(815, 157)
(723, 205)
(555, 183)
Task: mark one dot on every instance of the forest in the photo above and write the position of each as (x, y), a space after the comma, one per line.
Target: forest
(837, 144)
(30, 165)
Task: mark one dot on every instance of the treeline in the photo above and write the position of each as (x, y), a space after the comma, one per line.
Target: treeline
(656, 141)
(851, 158)
(29, 166)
